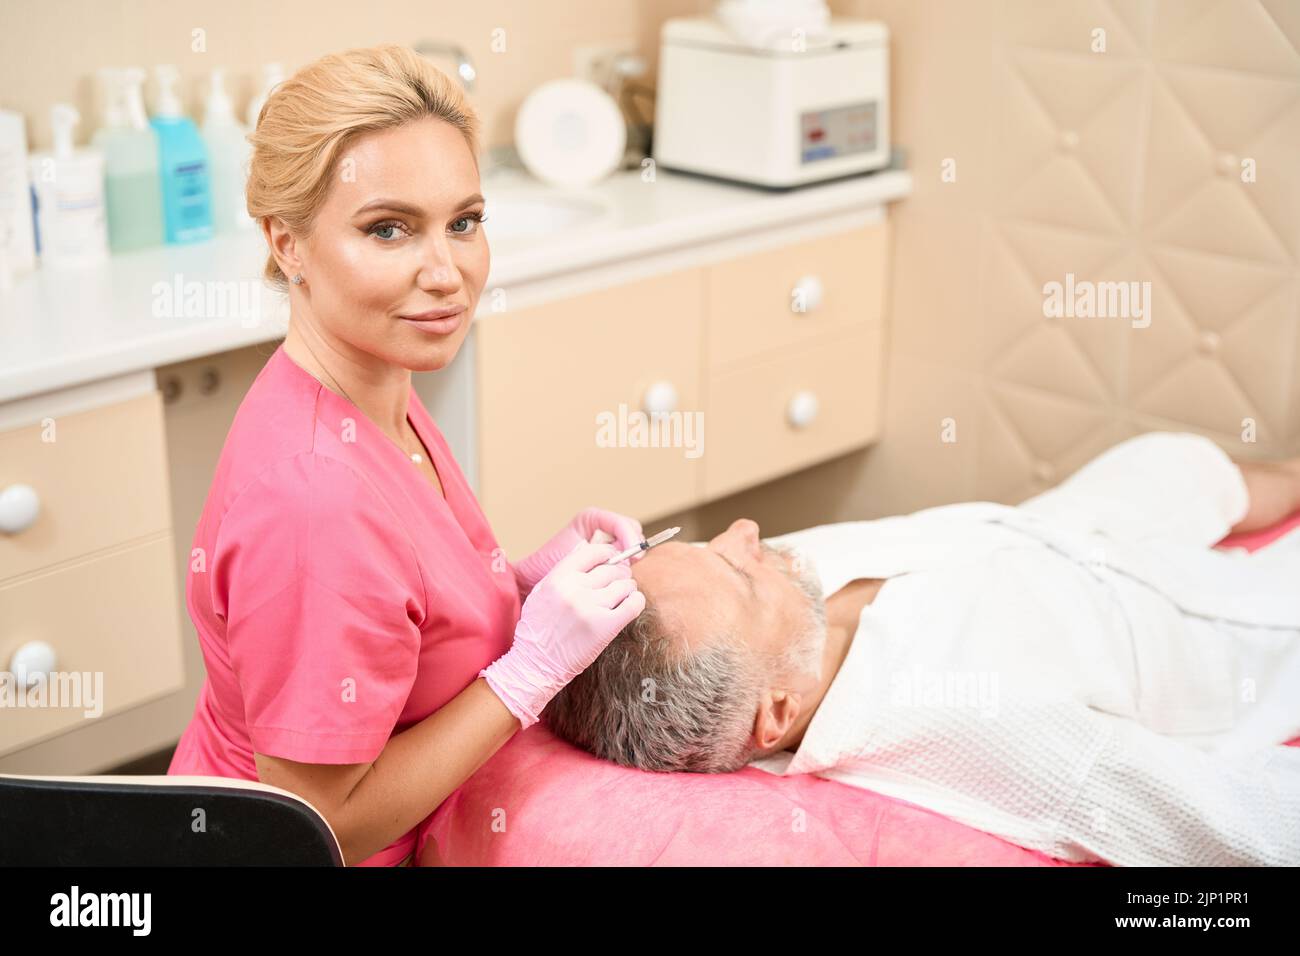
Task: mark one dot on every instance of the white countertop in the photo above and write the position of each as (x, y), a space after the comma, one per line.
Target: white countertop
(60, 329)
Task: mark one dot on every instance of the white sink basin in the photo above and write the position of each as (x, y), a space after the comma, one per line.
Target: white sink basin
(530, 215)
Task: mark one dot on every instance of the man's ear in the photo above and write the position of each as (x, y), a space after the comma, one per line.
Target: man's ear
(282, 244)
(777, 712)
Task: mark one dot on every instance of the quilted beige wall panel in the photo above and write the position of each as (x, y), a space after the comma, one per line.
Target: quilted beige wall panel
(1117, 166)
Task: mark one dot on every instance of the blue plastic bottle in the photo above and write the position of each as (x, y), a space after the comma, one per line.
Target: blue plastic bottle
(182, 165)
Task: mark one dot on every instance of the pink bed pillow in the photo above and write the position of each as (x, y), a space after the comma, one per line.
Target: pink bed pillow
(540, 801)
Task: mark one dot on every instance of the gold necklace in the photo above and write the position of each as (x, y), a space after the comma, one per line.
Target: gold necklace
(415, 456)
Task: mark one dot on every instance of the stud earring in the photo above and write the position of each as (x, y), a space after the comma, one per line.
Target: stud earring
(297, 280)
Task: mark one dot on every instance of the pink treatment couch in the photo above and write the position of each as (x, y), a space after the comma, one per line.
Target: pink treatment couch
(540, 801)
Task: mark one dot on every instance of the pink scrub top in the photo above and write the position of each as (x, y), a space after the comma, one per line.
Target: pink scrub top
(338, 598)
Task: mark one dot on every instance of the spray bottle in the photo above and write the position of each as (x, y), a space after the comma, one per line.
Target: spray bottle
(130, 148)
(182, 165)
(272, 74)
(230, 151)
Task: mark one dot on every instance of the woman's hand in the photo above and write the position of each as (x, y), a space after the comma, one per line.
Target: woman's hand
(568, 619)
(625, 532)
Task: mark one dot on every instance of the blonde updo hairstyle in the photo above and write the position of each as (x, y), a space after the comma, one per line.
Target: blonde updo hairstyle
(311, 118)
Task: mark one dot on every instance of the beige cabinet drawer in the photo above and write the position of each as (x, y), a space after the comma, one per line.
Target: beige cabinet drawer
(751, 438)
(549, 377)
(102, 481)
(838, 281)
(115, 616)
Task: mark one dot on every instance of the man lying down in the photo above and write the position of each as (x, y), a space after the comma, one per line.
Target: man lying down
(1080, 674)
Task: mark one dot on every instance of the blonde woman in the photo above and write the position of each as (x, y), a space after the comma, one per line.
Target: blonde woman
(363, 634)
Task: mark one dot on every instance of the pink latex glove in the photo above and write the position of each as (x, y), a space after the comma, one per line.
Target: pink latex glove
(572, 614)
(624, 531)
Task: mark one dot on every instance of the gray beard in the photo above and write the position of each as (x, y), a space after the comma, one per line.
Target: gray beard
(804, 652)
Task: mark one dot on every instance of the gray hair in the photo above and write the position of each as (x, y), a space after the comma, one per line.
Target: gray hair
(646, 702)
(650, 702)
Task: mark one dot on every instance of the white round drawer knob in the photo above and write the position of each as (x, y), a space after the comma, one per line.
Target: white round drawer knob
(802, 409)
(19, 506)
(806, 295)
(31, 660)
(659, 398)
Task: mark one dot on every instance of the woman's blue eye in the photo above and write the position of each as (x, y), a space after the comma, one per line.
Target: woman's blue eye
(386, 224)
(477, 217)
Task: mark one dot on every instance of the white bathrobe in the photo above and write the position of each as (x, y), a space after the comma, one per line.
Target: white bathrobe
(1081, 674)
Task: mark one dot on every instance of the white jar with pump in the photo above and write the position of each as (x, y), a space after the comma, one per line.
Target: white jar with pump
(68, 187)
